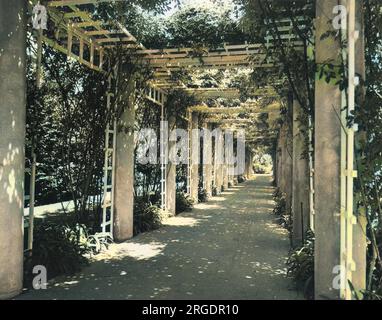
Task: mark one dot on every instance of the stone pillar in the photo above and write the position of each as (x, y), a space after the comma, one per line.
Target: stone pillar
(195, 156)
(278, 162)
(207, 159)
(225, 177)
(288, 159)
(218, 160)
(226, 166)
(171, 171)
(247, 156)
(124, 171)
(229, 159)
(274, 163)
(12, 141)
(300, 189)
(283, 157)
(250, 165)
(327, 157)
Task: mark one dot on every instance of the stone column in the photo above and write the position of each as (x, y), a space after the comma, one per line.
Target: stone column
(327, 157)
(124, 171)
(277, 163)
(229, 159)
(218, 159)
(300, 189)
(251, 173)
(226, 166)
(225, 177)
(207, 159)
(274, 163)
(288, 159)
(171, 171)
(195, 156)
(247, 157)
(12, 142)
(283, 156)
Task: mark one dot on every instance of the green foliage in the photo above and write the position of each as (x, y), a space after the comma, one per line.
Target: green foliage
(66, 128)
(202, 195)
(259, 168)
(293, 69)
(198, 27)
(147, 176)
(215, 191)
(61, 248)
(284, 218)
(368, 116)
(370, 295)
(147, 217)
(176, 105)
(301, 266)
(241, 179)
(183, 202)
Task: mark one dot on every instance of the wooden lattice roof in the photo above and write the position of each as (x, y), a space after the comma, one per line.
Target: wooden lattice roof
(86, 40)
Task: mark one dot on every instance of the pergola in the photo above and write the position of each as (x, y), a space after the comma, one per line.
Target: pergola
(88, 41)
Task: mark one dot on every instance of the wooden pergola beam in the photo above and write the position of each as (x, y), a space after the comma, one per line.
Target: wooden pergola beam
(232, 93)
(233, 120)
(164, 61)
(275, 107)
(64, 3)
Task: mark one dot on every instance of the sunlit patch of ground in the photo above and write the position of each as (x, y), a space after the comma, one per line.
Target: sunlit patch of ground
(132, 249)
(182, 221)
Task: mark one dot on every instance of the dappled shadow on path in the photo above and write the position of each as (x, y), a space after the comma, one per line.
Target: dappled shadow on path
(228, 248)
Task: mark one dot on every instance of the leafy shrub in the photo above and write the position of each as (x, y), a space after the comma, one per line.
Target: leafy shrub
(147, 217)
(241, 179)
(259, 168)
(202, 195)
(373, 289)
(183, 202)
(301, 266)
(368, 295)
(59, 247)
(284, 219)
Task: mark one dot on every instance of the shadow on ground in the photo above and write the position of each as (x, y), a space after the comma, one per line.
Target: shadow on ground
(228, 248)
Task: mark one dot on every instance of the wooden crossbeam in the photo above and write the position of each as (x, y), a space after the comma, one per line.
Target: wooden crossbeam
(75, 14)
(115, 39)
(64, 3)
(233, 93)
(233, 120)
(86, 24)
(275, 107)
(226, 50)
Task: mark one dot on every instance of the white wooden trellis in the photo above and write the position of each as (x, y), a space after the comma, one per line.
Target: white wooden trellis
(109, 169)
(159, 97)
(163, 159)
(189, 152)
(347, 217)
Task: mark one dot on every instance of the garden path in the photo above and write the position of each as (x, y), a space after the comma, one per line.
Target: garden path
(228, 248)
